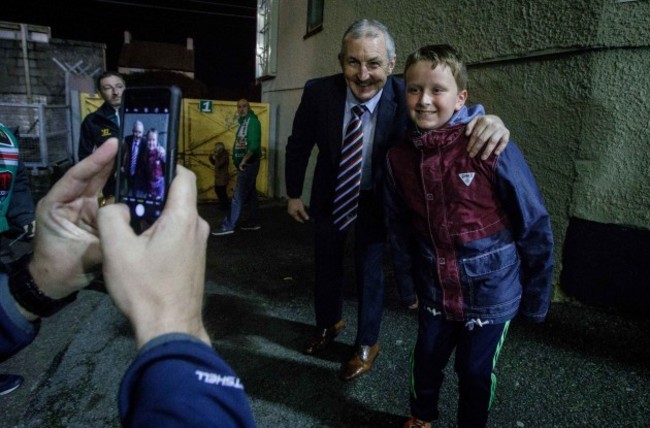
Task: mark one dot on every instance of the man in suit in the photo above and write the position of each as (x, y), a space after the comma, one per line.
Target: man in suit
(367, 60)
(135, 150)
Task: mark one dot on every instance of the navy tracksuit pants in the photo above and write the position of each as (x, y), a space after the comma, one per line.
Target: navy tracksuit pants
(477, 347)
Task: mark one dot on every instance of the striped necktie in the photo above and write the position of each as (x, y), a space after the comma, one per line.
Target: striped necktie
(348, 180)
(135, 147)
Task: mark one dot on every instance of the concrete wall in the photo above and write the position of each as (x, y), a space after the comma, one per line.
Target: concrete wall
(569, 78)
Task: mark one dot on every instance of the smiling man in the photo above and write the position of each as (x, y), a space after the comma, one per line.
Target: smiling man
(353, 117)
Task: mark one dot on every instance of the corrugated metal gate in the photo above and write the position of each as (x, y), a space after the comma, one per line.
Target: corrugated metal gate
(202, 128)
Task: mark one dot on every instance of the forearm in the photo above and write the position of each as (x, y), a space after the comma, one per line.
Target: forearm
(207, 392)
(150, 325)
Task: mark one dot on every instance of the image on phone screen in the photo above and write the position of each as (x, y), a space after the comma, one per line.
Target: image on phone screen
(146, 151)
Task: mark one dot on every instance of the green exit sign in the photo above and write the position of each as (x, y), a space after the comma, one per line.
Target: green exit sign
(205, 106)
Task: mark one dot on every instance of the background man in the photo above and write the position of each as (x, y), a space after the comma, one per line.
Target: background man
(246, 156)
(103, 123)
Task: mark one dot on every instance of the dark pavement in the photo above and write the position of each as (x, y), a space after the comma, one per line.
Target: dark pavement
(584, 367)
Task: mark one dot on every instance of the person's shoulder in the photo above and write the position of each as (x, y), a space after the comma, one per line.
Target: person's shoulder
(105, 109)
(396, 82)
(394, 87)
(512, 155)
(512, 149)
(90, 117)
(101, 113)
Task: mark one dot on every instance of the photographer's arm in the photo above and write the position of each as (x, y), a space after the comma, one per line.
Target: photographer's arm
(66, 248)
(157, 280)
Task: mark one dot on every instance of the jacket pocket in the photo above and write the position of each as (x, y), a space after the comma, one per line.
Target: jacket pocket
(493, 278)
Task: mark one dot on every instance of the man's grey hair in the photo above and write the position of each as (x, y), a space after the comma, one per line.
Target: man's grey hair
(369, 28)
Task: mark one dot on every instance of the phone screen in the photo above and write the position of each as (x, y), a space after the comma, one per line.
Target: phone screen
(147, 154)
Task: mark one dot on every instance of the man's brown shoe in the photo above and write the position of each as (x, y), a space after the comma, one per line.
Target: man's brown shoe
(361, 362)
(323, 338)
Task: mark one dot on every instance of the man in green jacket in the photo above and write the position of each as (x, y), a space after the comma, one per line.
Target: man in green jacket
(246, 156)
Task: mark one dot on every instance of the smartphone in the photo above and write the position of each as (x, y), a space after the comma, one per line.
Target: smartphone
(146, 159)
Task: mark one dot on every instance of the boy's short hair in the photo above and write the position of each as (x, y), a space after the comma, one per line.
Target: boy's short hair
(441, 55)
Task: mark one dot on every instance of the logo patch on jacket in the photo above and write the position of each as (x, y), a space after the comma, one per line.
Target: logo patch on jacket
(467, 177)
(106, 132)
(6, 178)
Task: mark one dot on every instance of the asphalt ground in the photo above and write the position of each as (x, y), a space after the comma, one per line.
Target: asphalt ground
(583, 367)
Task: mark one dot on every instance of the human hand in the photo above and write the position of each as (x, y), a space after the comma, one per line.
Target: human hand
(66, 243)
(487, 129)
(296, 209)
(157, 278)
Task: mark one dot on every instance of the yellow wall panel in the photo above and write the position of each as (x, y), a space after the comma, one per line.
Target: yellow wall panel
(89, 103)
(202, 130)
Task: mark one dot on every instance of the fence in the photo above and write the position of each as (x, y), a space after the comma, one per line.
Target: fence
(43, 132)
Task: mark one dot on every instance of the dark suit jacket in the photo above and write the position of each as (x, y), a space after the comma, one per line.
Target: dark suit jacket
(319, 121)
(126, 157)
(138, 181)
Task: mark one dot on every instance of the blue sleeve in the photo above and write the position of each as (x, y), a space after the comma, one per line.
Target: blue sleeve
(466, 114)
(21, 207)
(177, 380)
(531, 226)
(16, 332)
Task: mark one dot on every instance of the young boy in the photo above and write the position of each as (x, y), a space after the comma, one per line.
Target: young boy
(155, 159)
(481, 239)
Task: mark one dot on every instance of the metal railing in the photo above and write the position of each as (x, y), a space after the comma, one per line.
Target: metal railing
(43, 131)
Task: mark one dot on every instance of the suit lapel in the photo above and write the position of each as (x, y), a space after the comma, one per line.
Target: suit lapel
(385, 115)
(335, 113)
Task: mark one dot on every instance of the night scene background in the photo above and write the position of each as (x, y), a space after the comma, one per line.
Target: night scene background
(224, 32)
